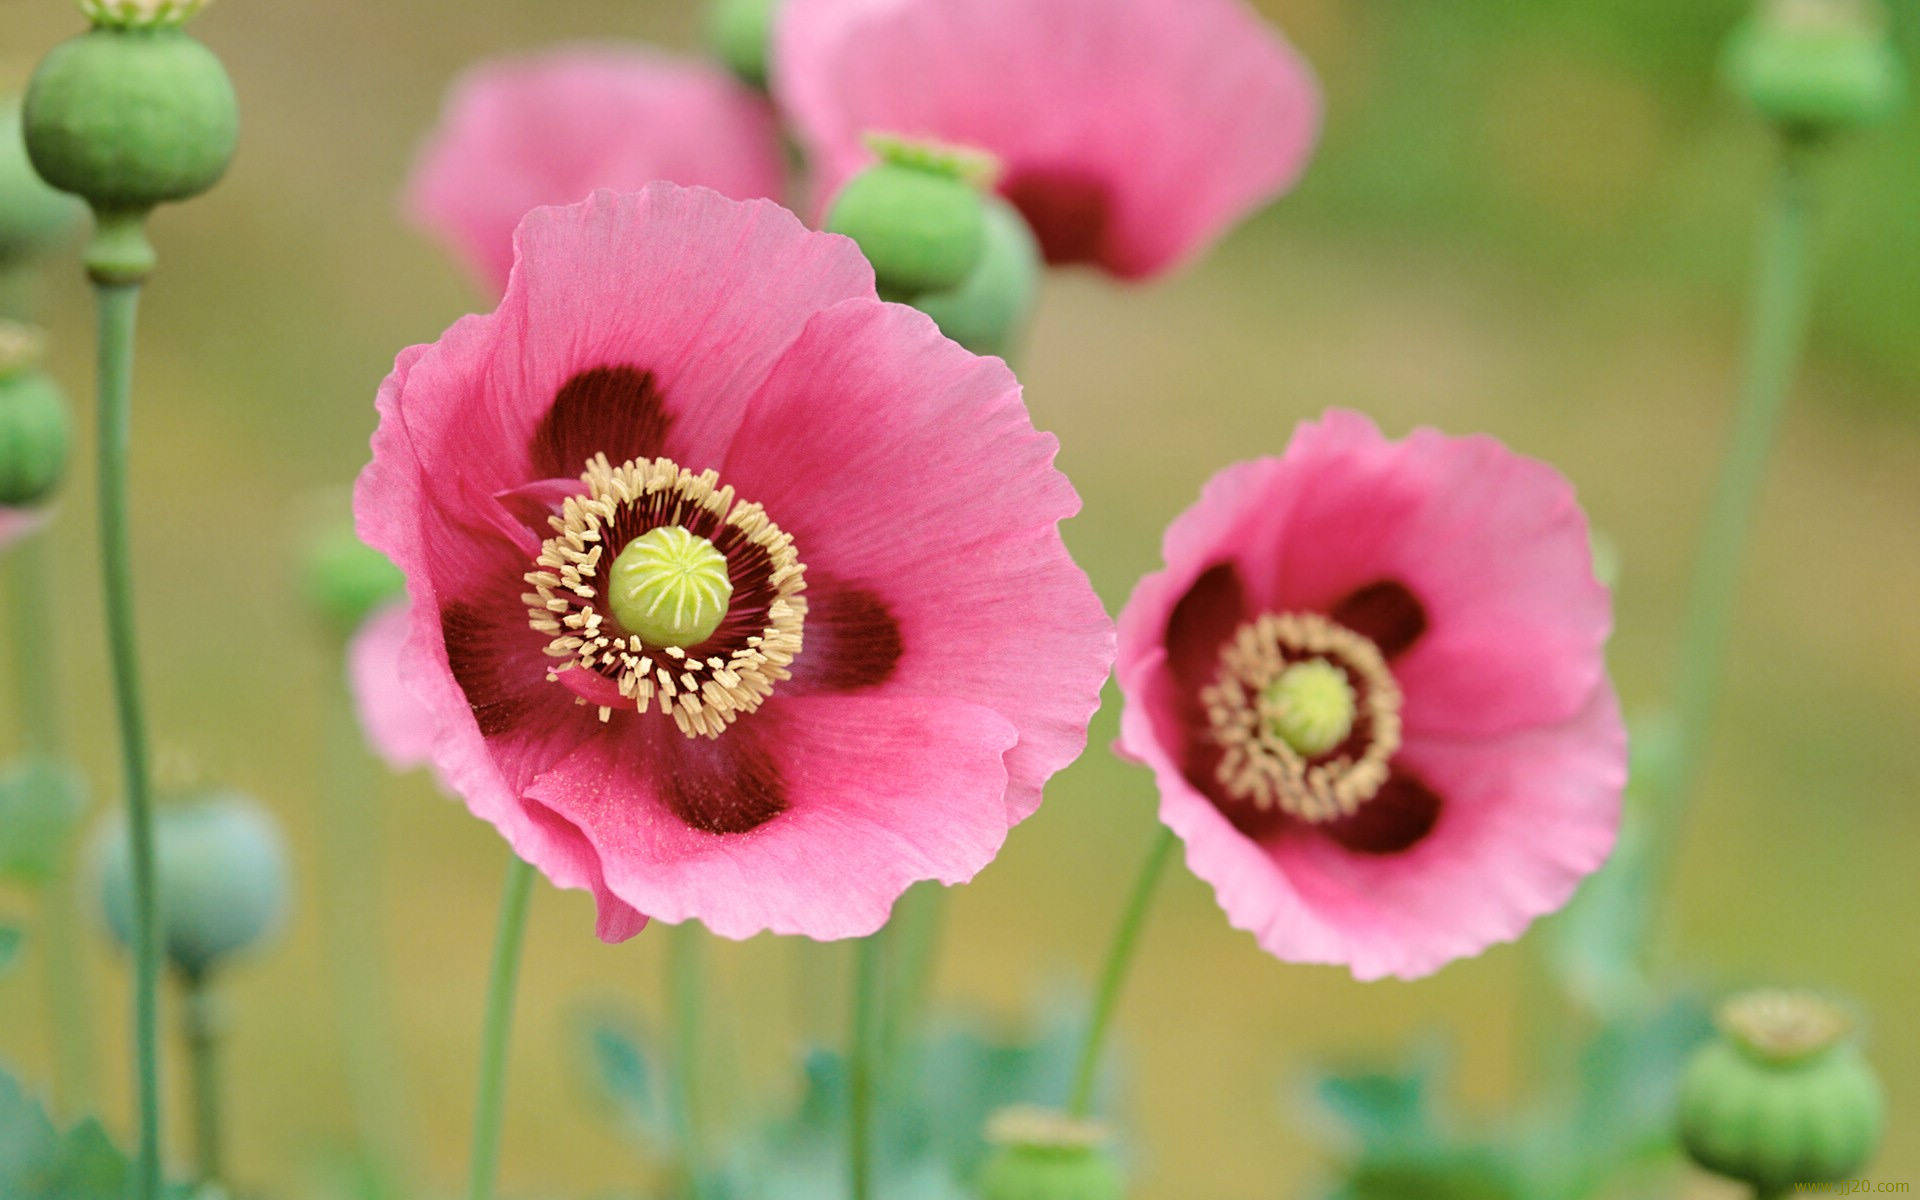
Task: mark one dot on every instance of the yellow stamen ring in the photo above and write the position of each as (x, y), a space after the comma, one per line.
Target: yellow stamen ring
(704, 692)
(1278, 754)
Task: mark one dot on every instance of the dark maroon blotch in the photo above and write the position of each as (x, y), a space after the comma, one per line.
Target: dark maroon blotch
(1399, 815)
(616, 411)
(1386, 613)
(851, 640)
(488, 672)
(1200, 625)
(725, 786)
(1068, 210)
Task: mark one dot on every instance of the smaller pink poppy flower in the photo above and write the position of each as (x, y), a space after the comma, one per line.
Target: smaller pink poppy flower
(16, 523)
(1133, 133)
(734, 593)
(550, 128)
(1370, 684)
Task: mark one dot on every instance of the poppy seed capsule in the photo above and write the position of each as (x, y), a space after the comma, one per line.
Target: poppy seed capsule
(222, 879)
(34, 428)
(1817, 66)
(988, 313)
(740, 32)
(1782, 1096)
(131, 117)
(1043, 1155)
(917, 215)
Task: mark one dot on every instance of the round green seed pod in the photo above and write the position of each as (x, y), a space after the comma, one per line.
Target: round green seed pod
(1817, 66)
(34, 218)
(1782, 1096)
(741, 34)
(988, 313)
(128, 118)
(345, 579)
(918, 215)
(35, 434)
(1042, 1155)
(222, 872)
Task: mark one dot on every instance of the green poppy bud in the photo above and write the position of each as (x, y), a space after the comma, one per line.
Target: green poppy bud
(222, 876)
(40, 804)
(988, 313)
(1043, 1155)
(1817, 66)
(34, 218)
(1782, 1096)
(34, 429)
(346, 580)
(917, 214)
(741, 33)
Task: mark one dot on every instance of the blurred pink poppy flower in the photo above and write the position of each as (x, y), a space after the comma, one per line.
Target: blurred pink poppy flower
(16, 523)
(1370, 684)
(1132, 133)
(903, 650)
(550, 128)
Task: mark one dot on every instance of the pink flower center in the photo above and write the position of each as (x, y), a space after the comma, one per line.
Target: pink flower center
(704, 687)
(1306, 715)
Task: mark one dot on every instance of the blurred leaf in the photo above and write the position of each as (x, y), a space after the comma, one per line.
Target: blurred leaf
(10, 939)
(41, 802)
(28, 1142)
(1402, 1146)
(620, 1063)
(1382, 1108)
(37, 1162)
(1436, 1172)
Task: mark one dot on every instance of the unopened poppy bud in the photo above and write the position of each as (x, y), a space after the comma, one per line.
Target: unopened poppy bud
(918, 215)
(128, 116)
(1817, 66)
(740, 32)
(33, 217)
(222, 879)
(346, 579)
(988, 313)
(1045, 1155)
(34, 428)
(1782, 1096)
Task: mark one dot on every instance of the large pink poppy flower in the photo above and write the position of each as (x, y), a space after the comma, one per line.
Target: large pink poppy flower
(902, 651)
(550, 128)
(1132, 133)
(1370, 685)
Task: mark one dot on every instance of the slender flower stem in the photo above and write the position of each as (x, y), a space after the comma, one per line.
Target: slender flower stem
(1779, 322)
(119, 308)
(686, 971)
(869, 979)
(38, 682)
(490, 1107)
(1114, 976)
(201, 1026)
(915, 930)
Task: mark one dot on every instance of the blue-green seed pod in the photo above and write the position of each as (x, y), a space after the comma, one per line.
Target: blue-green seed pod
(1782, 1096)
(918, 215)
(1817, 66)
(34, 218)
(741, 34)
(1042, 1155)
(222, 875)
(345, 579)
(35, 431)
(988, 313)
(128, 118)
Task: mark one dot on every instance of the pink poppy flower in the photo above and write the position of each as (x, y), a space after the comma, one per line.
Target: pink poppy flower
(1132, 133)
(16, 523)
(1371, 688)
(877, 649)
(550, 128)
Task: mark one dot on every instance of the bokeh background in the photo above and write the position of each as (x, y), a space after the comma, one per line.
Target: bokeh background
(1533, 220)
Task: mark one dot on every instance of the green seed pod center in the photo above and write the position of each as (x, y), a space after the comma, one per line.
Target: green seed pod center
(670, 587)
(1312, 706)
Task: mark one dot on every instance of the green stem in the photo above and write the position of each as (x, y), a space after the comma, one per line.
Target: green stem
(490, 1107)
(686, 971)
(119, 307)
(201, 1026)
(915, 930)
(1779, 322)
(869, 976)
(1114, 976)
(38, 681)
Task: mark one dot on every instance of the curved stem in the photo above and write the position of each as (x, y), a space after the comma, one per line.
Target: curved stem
(685, 973)
(490, 1106)
(38, 682)
(1778, 332)
(915, 929)
(201, 1026)
(1114, 976)
(119, 307)
(869, 973)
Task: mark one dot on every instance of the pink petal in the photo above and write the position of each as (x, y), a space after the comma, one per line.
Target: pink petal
(553, 127)
(909, 470)
(399, 728)
(1133, 132)
(16, 523)
(870, 795)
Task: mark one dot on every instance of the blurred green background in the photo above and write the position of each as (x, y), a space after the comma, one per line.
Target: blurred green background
(1532, 220)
